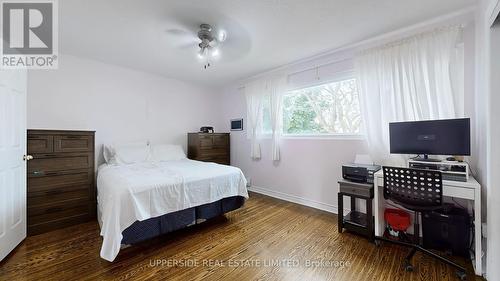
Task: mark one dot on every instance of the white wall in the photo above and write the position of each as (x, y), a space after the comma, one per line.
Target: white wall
(494, 162)
(310, 168)
(120, 104)
(493, 199)
(488, 116)
(482, 112)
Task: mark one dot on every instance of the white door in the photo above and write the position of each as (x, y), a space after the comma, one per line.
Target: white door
(12, 164)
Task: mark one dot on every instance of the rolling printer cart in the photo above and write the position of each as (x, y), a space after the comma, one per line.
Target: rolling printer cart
(356, 221)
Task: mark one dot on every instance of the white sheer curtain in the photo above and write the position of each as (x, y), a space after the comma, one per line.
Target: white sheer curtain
(276, 87)
(257, 92)
(408, 80)
(254, 93)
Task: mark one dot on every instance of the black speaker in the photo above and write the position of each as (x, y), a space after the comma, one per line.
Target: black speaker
(447, 229)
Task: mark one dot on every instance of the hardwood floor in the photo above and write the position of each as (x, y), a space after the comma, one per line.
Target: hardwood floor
(268, 239)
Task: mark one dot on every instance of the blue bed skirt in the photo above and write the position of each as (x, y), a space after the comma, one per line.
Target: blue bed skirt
(143, 230)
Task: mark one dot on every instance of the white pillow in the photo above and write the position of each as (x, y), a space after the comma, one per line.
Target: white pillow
(127, 153)
(109, 154)
(167, 152)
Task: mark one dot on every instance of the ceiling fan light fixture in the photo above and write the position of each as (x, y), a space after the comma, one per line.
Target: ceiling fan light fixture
(210, 42)
(215, 53)
(221, 37)
(203, 53)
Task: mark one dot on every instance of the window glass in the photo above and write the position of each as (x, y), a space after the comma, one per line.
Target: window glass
(331, 108)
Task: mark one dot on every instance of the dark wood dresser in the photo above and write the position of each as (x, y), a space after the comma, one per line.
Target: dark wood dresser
(209, 147)
(61, 190)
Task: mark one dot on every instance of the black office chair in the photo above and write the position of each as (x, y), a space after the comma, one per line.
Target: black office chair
(419, 191)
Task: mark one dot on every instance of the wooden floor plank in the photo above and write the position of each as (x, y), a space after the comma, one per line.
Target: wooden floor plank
(268, 239)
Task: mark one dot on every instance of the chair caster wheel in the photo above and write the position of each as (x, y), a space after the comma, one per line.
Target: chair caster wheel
(461, 275)
(408, 267)
(377, 243)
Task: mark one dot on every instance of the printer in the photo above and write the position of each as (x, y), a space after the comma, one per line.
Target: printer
(359, 172)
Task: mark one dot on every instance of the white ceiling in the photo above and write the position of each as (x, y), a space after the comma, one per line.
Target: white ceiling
(262, 34)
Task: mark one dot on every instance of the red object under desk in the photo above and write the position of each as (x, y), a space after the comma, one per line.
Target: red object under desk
(398, 219)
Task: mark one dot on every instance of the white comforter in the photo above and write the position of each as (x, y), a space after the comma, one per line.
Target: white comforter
(127, 193)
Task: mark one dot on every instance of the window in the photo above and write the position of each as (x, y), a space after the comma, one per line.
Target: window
(327, 109)
(324, 110)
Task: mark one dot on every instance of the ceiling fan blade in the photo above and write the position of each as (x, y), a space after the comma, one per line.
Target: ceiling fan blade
(183, 39)
(187, 46)
(178, 32)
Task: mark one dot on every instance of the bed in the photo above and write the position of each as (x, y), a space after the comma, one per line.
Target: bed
(138, 201)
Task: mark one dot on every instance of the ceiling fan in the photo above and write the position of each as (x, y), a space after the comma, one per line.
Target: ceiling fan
(209, 42)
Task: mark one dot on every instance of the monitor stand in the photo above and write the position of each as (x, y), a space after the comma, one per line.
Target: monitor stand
(427, 159)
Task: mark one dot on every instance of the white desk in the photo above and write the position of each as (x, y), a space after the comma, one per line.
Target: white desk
(470, 190)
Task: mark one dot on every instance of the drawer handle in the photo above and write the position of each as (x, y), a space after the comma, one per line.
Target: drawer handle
(53, 192)
(42, 173)
(74, 137)
(49, 155)
(36, 137)
(54, 209)
(28, 157)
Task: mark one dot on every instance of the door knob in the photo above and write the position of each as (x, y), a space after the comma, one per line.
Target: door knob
(27, 157)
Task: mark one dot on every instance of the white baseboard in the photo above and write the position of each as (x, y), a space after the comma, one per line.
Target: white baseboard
(296, 199)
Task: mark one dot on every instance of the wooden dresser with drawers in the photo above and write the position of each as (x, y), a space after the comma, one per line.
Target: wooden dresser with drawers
(61, 189)
(209, 147)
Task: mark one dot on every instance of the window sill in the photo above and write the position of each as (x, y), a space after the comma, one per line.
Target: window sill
(318, 137)
(324, 137)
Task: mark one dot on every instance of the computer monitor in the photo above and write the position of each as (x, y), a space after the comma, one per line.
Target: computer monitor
(433, 137)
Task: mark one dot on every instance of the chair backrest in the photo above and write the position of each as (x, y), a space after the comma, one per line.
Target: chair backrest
(415, 187)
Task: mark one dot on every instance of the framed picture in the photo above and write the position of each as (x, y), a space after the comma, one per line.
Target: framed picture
(237, 124)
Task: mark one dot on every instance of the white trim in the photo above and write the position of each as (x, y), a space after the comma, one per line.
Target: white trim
(338, 76)
(297, 199)
(323, 64)
(324, 137)
(360, 136)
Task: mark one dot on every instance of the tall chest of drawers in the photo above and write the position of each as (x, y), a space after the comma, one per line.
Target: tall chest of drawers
(61, 190)
(209, 147)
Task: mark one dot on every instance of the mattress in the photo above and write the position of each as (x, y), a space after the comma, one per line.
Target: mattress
(137, 192)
